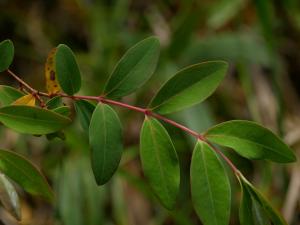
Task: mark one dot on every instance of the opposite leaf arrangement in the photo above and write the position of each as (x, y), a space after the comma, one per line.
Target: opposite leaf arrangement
(210, 186)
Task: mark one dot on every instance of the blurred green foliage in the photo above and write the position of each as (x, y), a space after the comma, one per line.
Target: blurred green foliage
(260, 40)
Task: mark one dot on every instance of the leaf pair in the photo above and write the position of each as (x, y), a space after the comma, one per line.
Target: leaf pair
(250, 140)
(158, 156)
(255, 209)
(189, 86)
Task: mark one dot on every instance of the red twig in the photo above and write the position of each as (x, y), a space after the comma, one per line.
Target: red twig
(33, 91)
(145, 111)
(228, 161)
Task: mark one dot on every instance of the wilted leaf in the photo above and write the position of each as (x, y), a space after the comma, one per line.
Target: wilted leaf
(50, 73)
(25, 100)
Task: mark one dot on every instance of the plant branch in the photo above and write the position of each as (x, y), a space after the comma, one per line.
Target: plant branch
(33, 91)
(145, 111)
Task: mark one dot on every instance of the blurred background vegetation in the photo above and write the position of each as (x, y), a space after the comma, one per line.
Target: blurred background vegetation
(259, 38)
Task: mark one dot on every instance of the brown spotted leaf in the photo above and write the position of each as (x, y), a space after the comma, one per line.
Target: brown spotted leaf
(50, 73)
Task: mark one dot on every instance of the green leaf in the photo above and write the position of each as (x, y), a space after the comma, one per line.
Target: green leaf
(9, 197)
(272, 213)
(32, 120)
(8, 95)
(54, 102)
(245, 212)
(133, 69)
(251, 213)
(84, 110)
(259, 214)
(6, 54)
(25, 174)
(67, 70)
(210, 186)
(189, 86)
(251, 141)
(63, 110)
(105, 135)
(160, 162)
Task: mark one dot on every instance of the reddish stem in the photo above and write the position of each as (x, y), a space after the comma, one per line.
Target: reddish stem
(228, 161)
(21, 81)
(124, 105)
(145, 111)
(175, 124)
(33, 91)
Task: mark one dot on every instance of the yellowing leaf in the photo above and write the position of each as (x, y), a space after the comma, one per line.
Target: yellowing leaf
(25, 100)
(50, 73)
